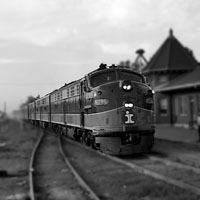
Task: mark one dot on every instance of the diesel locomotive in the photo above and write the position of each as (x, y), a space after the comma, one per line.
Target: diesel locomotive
(110, 109)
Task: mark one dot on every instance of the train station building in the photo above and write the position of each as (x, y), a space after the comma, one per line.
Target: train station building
(174, 74)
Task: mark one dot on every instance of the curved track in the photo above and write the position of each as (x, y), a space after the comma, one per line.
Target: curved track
(50, 177)
(80, 180)
(31, 167)
(105, 176)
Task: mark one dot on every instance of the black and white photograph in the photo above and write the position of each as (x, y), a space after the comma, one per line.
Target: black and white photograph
(99, 100)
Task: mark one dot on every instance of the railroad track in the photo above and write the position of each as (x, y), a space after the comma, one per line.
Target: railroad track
(172, 163)
(177, 174)
(80, 180)
(185, 153)
(31, 167)
(169, 173)
(50, 177)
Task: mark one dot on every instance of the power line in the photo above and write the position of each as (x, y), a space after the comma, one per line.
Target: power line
(30, 84)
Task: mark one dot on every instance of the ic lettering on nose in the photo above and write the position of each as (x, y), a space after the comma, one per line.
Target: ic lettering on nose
(129, 118)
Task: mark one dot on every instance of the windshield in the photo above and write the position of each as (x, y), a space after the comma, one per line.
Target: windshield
(126, 75)
(101, 78)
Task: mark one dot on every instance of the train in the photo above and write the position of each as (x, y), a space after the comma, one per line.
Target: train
(110, 109)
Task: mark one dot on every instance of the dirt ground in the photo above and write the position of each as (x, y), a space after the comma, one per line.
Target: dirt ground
(186, 153)
(17, 141)
(16, 144)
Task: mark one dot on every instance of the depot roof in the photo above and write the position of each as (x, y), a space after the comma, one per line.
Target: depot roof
(171, 56)
(186, 81)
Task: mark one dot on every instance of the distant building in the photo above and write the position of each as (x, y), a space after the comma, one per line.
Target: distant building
(174, 74)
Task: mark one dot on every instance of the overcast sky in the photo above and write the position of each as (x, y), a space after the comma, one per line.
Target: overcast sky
(46, 43)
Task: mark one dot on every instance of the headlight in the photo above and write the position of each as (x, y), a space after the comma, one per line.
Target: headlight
(128, 105)
(127, 85)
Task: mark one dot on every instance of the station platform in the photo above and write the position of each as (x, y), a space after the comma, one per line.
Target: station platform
(178, 134)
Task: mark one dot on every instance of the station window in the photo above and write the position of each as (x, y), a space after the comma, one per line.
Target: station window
(198, 103)
(182, 102)
(162, 79)
(163, 105)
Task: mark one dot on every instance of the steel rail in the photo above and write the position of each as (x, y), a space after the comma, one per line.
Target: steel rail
(175, 164)
(143, 170)
(156, 175)
(31, 167)
(80, 180)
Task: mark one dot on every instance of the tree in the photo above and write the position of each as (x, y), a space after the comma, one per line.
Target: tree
(30, 99)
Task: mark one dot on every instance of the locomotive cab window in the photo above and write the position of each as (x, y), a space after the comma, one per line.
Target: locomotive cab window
(125, 75)
(102, 78)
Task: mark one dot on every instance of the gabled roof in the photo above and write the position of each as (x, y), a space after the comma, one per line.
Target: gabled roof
(171, 56)
(186, 81)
